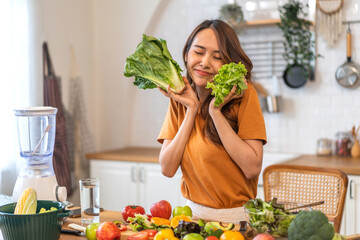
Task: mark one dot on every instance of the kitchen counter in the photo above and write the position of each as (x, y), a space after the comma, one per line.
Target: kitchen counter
(349, 165)
(132, 154)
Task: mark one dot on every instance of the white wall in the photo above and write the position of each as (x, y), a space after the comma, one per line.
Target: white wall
(105, 32)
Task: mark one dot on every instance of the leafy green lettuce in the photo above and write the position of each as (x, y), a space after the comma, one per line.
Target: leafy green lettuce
(269, 217)
(229, 75)
(152, 65)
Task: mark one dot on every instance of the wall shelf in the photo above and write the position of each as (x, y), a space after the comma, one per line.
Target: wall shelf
(265, 22)
(262, 22)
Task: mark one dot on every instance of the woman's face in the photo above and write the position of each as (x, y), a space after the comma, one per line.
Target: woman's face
(203, 58)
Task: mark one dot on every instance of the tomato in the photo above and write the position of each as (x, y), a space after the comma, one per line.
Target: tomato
(186, 210)
(150, 232)
(131, 210)
(211, 238)
(232, 235)
(139, 236)
(149, 216)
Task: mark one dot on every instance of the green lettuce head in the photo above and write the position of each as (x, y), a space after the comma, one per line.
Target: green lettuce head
(152, 65)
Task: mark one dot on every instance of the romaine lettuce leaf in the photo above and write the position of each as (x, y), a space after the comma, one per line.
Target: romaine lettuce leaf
(152, 65)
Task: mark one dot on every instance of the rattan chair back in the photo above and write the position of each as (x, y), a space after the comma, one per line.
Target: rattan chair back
(305, 184)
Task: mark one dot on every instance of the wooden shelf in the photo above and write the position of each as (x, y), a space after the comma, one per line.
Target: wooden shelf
(265, 22)
(262, 22)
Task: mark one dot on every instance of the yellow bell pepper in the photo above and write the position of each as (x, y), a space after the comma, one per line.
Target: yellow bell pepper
(166, 234)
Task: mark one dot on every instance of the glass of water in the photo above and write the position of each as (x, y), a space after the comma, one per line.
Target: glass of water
(90, 200)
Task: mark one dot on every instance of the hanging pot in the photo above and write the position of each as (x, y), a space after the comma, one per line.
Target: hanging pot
(348, 74)
(295, 76)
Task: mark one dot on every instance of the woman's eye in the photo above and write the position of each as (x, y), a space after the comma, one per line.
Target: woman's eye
(217, 58)
(198, 53)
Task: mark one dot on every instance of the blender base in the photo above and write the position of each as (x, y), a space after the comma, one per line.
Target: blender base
(46, 188)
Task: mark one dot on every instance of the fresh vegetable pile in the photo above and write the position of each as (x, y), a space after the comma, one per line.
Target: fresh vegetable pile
(152, 65)
(229, 75)
(161, 226)
(269, 217)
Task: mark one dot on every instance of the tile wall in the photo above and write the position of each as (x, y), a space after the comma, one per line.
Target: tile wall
(319, 109)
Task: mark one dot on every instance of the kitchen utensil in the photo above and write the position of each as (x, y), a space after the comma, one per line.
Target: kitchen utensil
(42, 137)
(273, 103)
(36, 134)
(77, 227)
(348, 74)
(306, 205)
(73, 232)
(295, 76)
(44, 226)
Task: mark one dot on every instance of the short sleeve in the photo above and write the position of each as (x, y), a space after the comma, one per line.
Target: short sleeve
(250, 118)
(170, 126)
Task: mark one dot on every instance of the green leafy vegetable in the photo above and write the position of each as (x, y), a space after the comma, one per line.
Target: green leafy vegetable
(229, 75)
(269, 217)
(141, 222)
(311, 225)
(152, 65)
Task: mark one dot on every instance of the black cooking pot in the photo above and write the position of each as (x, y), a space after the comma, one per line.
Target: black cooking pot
(296, 75)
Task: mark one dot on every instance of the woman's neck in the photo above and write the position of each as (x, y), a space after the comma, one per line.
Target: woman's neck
(202, 93)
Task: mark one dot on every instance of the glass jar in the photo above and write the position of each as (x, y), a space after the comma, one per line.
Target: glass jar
(343, 144)
(324, 147)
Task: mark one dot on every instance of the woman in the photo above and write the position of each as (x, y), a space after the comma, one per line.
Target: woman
(219, 148)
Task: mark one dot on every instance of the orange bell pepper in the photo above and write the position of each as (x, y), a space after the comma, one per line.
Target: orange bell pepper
(166, 234)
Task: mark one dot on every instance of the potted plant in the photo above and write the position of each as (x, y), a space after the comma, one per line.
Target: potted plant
(298, 45)
(232, 14)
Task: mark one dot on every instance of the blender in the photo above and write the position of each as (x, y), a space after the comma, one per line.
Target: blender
(36, 131)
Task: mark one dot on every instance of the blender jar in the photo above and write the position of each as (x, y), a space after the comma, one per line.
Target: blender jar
(36, 132)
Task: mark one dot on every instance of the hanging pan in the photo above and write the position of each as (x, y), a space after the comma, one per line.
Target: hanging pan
(295, 76)
(348, 74)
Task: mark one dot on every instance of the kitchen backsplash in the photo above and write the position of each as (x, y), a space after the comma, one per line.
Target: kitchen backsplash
(104, 33)
(319, 109)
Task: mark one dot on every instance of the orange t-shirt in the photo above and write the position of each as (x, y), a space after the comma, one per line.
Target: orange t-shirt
(210, 176)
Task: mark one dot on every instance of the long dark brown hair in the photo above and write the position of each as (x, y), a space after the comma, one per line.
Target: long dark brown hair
(230, 51)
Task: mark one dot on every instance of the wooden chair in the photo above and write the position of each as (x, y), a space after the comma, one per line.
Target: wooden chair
(304, 184)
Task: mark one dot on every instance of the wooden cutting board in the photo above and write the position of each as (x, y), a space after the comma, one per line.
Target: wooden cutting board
(104, 216)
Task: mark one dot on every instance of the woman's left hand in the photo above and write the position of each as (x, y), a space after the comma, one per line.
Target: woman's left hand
(232, 95)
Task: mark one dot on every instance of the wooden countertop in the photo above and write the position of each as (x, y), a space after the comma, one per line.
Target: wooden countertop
(348, 165)
(132, 154)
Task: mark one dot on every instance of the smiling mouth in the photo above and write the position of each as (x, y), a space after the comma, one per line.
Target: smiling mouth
(203, 73)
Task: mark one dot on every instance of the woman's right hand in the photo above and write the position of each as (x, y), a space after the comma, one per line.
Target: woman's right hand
(188, 97)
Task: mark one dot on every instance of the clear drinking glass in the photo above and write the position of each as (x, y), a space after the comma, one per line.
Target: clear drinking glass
(90, 200)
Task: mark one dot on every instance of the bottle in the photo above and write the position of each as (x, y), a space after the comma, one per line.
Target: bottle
(355, 149)
(343, 144)
(324, 147)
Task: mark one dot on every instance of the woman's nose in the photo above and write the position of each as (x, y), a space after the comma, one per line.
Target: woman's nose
(205, 61)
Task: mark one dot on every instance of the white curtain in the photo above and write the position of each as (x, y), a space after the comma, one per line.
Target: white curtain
(15, 75)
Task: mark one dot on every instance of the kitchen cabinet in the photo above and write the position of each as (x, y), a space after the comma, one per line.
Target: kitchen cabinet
(123, 183)
(351, 218)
